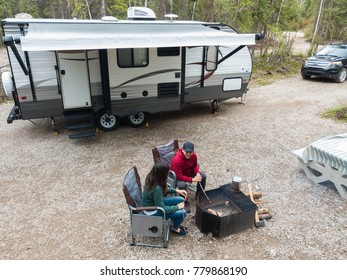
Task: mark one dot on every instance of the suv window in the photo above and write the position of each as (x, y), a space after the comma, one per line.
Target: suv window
(333, 50)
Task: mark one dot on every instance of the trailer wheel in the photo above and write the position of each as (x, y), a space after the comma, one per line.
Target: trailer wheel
(137, 120)
(107, 122)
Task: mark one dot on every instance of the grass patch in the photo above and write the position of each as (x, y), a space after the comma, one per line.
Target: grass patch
(338, 114)
(5, 99)
(267, 70)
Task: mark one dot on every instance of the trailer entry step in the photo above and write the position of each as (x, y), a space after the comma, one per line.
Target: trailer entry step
(80, 123)
(81, 135)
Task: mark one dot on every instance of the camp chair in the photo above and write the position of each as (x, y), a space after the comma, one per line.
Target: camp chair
(142, 223)
(165, 153)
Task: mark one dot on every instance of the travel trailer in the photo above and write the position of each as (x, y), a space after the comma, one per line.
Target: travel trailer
(95, 73)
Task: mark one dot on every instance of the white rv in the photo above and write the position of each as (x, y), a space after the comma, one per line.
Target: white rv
(97, 72)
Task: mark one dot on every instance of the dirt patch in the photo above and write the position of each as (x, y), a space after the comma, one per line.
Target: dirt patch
(342, 114)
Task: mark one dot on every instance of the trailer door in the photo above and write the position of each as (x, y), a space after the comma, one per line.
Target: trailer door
(74, 78)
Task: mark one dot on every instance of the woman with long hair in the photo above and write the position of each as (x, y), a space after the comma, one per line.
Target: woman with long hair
(154, 194)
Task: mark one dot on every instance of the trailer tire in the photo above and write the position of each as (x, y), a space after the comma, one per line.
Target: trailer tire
(136, 120)
(107, 122)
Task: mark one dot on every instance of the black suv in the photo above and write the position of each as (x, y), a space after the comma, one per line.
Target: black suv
(330, 62)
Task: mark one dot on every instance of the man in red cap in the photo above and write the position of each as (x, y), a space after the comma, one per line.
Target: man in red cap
(185, 165)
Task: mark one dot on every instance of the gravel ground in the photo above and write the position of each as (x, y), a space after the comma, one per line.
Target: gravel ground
(62, 199)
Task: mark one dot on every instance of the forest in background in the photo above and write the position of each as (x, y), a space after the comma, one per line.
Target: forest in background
(322, 21)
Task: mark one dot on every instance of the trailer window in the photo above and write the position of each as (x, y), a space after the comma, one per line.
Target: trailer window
(132, 57)
(211, 58)
(170, 51)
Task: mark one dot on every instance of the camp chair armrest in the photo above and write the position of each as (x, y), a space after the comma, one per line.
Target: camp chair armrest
(146, 208)
(162, 210)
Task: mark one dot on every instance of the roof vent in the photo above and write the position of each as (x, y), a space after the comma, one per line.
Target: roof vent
(141, 13)
(109, 18)
(23, 15)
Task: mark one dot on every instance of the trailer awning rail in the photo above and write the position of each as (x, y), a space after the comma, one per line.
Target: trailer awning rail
(82, 36)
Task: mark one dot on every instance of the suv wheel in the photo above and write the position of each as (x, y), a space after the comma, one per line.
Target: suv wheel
(342, 76)
(305, 77)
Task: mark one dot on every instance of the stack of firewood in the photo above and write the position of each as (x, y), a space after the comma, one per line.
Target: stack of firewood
(263, 212)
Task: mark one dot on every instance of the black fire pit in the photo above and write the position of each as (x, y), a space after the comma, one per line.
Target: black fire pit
(229, 212)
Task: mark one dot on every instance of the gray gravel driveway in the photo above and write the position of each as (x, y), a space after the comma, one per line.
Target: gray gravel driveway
(62, 199)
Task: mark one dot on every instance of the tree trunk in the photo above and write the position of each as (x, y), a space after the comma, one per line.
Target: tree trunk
(52, 9)
(330, 34)
(103, 8)
(317, 22)
(90, 15)
(279, 13)
(193, 12)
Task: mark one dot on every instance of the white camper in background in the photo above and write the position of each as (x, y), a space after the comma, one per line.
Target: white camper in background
(96, 72)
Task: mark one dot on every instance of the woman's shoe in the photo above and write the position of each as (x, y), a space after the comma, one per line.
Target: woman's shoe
(182, 232)
(184, 228)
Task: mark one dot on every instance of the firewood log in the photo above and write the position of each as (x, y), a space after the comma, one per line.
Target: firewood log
(213, 212)
(256, 195)
(263, 211)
